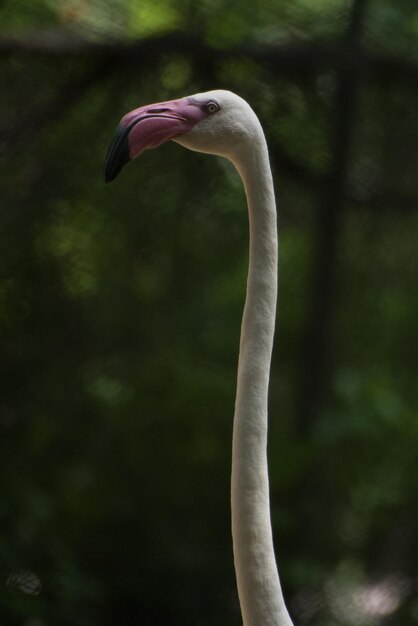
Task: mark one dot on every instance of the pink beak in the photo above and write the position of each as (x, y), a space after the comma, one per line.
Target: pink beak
(149, 127)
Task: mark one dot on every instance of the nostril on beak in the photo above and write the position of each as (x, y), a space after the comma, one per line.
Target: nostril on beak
(161, 110)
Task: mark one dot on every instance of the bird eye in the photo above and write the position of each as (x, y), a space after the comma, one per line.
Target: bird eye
(212, 107)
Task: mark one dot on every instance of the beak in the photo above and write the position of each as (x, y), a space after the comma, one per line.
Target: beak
(117, 153)
(149, 127)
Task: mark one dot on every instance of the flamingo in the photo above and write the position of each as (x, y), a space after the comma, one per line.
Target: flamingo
(222, 123)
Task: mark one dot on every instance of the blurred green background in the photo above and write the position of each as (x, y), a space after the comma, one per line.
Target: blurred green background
(120, 312)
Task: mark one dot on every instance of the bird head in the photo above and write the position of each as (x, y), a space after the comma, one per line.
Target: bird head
(215, 122)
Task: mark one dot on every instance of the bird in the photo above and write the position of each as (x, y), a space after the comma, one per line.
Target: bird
(221, 123)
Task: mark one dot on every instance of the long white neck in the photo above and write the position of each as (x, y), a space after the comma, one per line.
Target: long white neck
(258, 582)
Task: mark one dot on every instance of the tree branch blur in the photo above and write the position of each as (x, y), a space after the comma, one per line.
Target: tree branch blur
(13, 138)
(294, 58)
(316, 363)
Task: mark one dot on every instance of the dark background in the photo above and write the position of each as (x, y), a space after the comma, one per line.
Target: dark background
(120, 312)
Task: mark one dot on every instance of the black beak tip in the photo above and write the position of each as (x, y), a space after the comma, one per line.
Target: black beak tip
(108, 176)
(118, 154)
